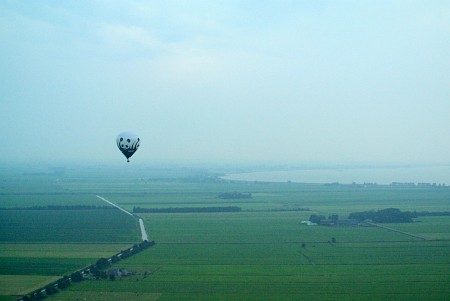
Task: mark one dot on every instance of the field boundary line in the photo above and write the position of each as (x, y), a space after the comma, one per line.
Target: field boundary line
(307, 257)
(399, 231)
(341, 242)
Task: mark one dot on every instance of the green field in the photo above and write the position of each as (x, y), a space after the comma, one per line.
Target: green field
(375, 271)
(67, 226)
(26, 267)
(260, 253)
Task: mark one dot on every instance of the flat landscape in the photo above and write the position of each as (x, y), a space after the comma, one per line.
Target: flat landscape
(261, 252)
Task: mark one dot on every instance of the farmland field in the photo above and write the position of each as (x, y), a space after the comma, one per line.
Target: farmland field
(262, 252)
(39, 246)
(25, 267)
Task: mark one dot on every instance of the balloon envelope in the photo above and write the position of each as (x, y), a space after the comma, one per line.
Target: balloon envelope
(128, 143)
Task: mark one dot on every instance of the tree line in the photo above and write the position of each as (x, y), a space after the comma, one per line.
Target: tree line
(61, 207)
(235, 195)
(186, 209)
(96, 271)
(389, 215)
(317, 219)
(436, 213)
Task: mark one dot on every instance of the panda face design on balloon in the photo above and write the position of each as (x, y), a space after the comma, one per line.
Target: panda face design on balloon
(128, 143)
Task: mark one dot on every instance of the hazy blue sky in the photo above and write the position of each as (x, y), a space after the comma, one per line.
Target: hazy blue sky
(226, 81)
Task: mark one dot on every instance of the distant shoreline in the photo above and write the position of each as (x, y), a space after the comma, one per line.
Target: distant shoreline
(438, 175)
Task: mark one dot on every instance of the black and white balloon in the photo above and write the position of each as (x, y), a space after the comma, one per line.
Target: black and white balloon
(128, 143)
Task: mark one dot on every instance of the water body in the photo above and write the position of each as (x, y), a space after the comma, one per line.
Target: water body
(379, 175)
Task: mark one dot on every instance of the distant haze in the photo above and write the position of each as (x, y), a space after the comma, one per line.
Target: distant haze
(226, 81)
(418, 175)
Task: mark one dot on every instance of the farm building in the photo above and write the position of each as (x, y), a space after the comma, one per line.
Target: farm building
(308, 223)
(117, 273)
(340, 223)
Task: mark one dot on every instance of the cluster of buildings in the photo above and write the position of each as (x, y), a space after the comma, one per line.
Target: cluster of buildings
(334, 223)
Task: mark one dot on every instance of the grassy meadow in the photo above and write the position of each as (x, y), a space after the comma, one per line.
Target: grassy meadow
(260, 253)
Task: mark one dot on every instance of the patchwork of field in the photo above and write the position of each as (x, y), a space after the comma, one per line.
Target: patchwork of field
(25, 267)
(39, 246)
(207, 270)
(21, 284)
(262, 252)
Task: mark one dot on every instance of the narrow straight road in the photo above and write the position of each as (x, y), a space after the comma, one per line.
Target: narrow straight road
(143, 232)
(144, 235)
(114, 205)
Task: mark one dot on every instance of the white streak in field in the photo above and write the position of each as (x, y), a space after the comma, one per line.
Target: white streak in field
(141, 222)
(114, 205)
(143, 232)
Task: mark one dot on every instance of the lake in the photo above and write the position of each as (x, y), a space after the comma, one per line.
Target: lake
(379, 175)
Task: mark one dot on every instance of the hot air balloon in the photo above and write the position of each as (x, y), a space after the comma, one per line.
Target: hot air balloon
(128, 143)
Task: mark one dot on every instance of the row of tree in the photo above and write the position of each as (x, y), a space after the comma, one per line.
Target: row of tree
(235, 195)
(186, 209)
(317, 219)
(389, 215)
(60, 207)
(96, 270)
(435, 213)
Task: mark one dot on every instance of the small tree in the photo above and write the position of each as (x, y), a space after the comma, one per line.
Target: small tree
(76, 276)
(63, 283)
(102, 263)
(115, 259)
(50, 290)
(314, 218)
(333, 217)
